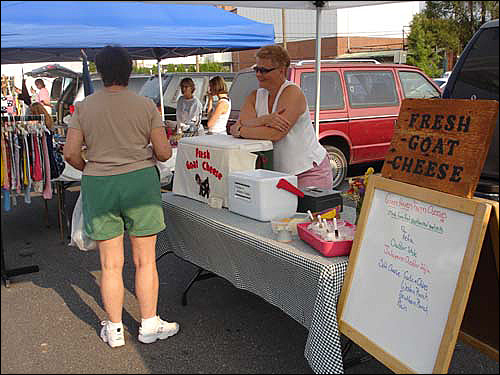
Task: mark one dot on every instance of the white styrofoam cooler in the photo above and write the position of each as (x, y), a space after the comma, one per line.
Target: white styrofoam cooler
(254, 194)
(204, 163)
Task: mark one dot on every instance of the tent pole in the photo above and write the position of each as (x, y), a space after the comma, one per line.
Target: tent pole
(161, 92)
(318, 69)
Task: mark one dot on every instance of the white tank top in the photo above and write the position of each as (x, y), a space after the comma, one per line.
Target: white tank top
(296, 152)
(220, 124)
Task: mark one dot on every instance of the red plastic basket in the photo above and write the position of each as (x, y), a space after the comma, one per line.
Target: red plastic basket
(327, 248)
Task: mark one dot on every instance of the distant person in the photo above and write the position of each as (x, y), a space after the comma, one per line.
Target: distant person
(278, 112)
(218, 116)
(121, 190)
(42, 96)
(189, 108)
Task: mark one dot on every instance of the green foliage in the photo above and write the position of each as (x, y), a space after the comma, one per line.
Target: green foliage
(213, 67)
(467, 16)
(445, 26)
(145, 70)
(205, 67)
(176, 68)
(421, 45)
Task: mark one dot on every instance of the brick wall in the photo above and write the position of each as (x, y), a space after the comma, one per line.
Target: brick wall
(330, 48)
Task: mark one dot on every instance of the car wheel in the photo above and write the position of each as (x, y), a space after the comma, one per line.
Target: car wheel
(339, 165)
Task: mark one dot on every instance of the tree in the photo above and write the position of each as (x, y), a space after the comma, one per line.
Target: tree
(468, 16)
(421, 45)
(445, 26)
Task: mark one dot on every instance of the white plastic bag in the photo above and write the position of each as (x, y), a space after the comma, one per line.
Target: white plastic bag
(78, 236)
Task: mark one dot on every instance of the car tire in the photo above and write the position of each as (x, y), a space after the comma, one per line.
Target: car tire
(339, 164)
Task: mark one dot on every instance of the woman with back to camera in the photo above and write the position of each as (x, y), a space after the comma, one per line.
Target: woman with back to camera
(218, 116)
(278, 111)
(121, 190)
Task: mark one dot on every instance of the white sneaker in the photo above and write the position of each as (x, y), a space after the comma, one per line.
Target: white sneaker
(114, 337)
(162, 331)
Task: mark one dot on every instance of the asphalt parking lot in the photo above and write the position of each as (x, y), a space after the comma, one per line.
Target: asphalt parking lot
(50, 319)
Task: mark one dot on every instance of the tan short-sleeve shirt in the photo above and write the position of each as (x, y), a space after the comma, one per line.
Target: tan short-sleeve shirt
(116, 127)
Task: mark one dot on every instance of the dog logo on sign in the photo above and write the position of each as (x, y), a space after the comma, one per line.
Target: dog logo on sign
(204, 186)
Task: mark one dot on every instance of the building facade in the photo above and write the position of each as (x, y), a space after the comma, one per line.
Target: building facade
(344, 32)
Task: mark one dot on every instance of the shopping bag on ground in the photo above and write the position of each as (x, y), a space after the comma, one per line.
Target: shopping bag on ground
(78, 236)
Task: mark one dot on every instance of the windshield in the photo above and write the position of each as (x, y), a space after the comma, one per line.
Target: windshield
(151, 88)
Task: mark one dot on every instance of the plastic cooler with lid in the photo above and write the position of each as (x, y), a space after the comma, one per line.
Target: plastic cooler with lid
(204, 163)
(263, 195)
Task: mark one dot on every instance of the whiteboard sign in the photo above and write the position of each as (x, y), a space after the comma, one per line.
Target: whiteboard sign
(400, 294)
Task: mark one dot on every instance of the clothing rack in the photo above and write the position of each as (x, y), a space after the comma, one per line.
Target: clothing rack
(7, 273)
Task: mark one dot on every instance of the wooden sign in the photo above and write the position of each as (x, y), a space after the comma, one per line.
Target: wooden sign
(410, 271)
(441, 144)
(480, 324)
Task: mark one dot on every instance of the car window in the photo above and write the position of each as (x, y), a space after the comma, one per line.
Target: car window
(56, 89)
(151, 88)
(242, 86)
(66, 83)
(371, 88)
(479, 73)
(331, 96)
(415, 86)
(97, 84)
(135, 83)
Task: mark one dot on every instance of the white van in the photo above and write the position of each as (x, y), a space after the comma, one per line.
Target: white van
(171, 89)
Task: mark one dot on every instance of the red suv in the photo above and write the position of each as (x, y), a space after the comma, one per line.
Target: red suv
(359, 103)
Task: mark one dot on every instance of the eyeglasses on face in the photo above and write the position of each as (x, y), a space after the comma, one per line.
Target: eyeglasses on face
(262, 70)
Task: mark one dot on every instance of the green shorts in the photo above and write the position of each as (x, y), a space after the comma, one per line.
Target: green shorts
(129, 201)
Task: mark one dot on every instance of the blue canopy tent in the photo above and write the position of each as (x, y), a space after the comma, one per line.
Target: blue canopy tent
(47, 31)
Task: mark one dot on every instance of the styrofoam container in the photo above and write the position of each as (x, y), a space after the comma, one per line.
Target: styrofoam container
(254, 194)
(289, 223)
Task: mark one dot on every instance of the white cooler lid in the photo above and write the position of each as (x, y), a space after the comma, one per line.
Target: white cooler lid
(228, 142)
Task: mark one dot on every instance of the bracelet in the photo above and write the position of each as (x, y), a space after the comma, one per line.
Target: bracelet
(238, 131)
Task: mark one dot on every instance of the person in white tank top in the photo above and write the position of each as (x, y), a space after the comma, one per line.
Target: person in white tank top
(278, 111)
(218, 116)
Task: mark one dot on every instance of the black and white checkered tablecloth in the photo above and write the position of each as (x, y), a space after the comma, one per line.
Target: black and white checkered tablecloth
(292, 276)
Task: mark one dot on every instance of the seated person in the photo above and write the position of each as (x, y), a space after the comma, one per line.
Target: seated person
(218, 116)
(189, 108)
(278, 111)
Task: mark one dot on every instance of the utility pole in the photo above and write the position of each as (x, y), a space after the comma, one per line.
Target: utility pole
(348, 33)
(197, 63)
(283, 26)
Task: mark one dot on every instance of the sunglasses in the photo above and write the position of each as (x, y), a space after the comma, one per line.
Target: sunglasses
(259, 69)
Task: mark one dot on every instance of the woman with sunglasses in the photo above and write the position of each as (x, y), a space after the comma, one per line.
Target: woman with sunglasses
(278, 111)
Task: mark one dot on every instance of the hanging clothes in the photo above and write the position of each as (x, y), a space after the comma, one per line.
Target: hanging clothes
(27, 159)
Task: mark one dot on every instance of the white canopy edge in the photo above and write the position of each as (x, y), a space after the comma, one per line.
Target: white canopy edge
(285, 4)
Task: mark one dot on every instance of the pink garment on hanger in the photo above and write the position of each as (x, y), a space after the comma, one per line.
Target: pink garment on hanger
(37, 167)
(47, 190)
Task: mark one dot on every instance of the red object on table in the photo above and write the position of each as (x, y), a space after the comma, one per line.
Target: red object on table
(284, 184)
(327, 248)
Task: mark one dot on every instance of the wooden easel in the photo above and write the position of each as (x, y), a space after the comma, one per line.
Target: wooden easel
(402, 208)
(480, 325)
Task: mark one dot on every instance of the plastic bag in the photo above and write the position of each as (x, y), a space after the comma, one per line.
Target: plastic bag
(78, 236)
